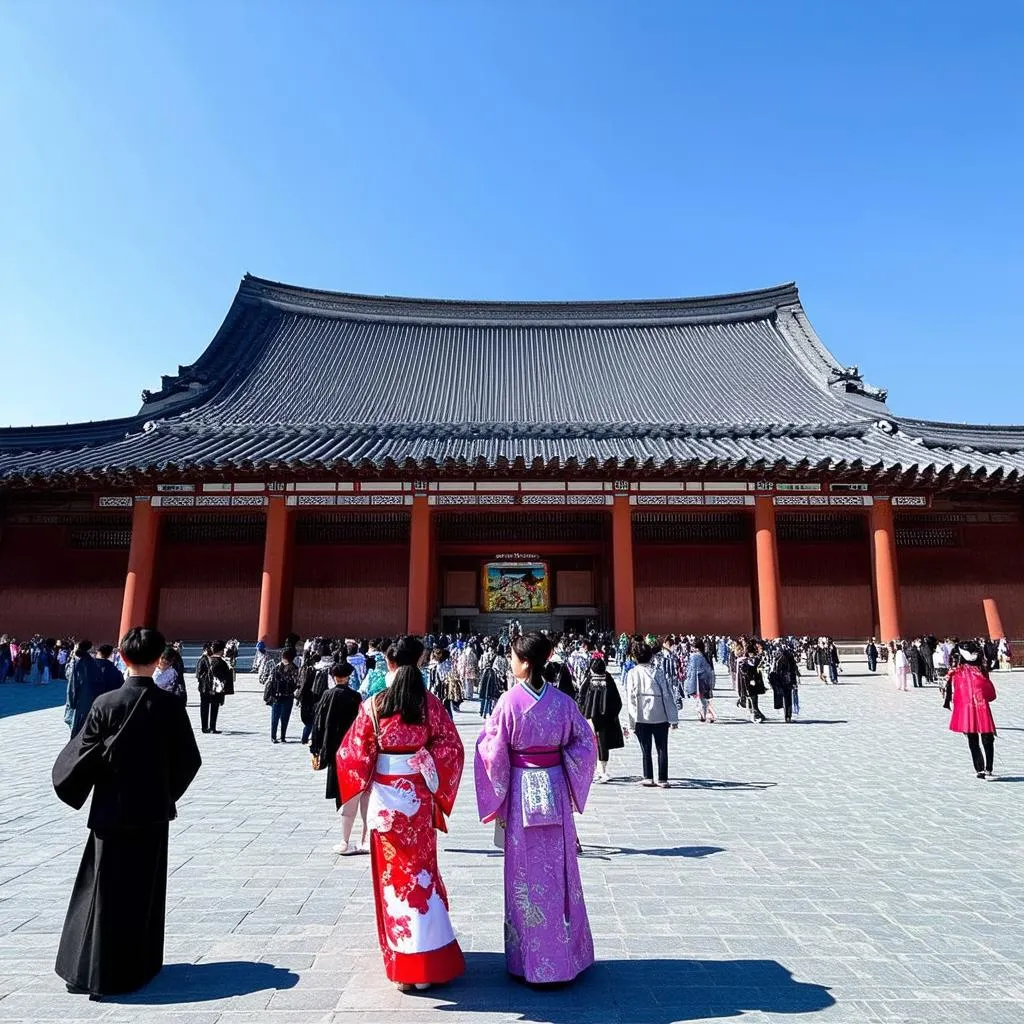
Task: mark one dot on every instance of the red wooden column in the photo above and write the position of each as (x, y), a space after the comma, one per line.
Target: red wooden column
(140, 584)
(993, 619)
(421, 537)
(887, 580)
(769, 600)
(623, 587)
(277, 550)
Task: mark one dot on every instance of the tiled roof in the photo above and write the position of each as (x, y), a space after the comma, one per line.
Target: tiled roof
(303, 380)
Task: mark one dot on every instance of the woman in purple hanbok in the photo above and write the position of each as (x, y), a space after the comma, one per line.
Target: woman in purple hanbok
(535, 762)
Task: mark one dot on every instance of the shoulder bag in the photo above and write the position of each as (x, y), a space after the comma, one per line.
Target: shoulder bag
(110, 745)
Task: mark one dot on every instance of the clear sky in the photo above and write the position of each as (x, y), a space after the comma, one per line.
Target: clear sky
(151, 153)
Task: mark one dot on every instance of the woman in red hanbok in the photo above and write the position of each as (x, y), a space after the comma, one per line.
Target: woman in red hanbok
(405, 749)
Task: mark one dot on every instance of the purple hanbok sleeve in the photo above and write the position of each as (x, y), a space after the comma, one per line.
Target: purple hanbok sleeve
(492, 770)
(579, 758)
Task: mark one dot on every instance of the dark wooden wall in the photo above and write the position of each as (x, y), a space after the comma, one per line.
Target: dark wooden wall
(943, 587)
(49, 587)
(697, 588)
(209, 591)
(350, 589)
(826, 588)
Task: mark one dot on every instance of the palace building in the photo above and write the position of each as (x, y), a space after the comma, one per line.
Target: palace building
(353, 465)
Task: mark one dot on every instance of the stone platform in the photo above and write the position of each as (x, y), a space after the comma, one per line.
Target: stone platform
(846, 868)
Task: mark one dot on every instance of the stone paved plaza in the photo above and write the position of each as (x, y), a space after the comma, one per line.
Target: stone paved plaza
(846, 868)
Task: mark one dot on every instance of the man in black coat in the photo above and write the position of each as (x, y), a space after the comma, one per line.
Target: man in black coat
(87, 679)
(137, 754)
(916, 660)
(871, 650)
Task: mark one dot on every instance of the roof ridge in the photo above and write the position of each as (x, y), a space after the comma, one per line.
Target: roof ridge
(503, 429)
(752, 304)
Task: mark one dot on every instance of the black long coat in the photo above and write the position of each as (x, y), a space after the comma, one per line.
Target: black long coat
(137, 768)
(334, 716)
(601, 702)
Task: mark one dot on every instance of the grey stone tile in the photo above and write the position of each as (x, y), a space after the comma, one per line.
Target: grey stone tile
(790, 865)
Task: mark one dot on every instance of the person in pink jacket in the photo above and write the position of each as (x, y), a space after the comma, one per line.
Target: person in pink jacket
(972, 693)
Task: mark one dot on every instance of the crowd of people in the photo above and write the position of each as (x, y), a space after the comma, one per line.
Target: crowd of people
(378, 717)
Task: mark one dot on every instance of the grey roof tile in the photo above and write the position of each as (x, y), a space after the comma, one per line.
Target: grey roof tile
(308, 379)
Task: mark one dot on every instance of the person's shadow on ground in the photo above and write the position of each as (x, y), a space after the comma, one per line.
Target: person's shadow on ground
(197, 983)
(655, 991)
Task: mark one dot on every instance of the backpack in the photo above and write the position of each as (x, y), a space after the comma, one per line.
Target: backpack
(321, 680)
(203, 674)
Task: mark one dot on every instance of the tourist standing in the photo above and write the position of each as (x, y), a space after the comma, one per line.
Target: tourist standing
(334, 715)
(493, 679)
(314, 681)
(779, 664)
(214, 677)
(138, 755)
(444, 680)
(376, 680)
(899, 667)
(469, 670)
(652, 712)
(700, 680)
(279, 694)
(871, 651)
(535, 763)
(167, 678)
(916, 661)
(405, 749)
(832, 661)
(821, 658)
(751, 680)
(600, 703)
(972, 693)
(84, 686)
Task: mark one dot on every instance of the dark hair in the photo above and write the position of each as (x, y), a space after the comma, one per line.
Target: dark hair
(535, 649)
(406, 696)
(217, 647)
(371, 663)
(142, 646)
(106, 650)
(699, 646)
(168, 653)
(342, 669)
(408, 651)
(598, 667)
(82, 648)
(642, 652)
(440, 653)
(288, 654)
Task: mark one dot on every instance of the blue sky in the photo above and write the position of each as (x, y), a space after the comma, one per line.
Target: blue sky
(151, 153)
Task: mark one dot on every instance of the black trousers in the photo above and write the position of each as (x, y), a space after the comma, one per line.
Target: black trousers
(988, 744)
(209, 708)
(752, 698)
(917, 678)
(872, 663)
(645, 733)
(787, 701)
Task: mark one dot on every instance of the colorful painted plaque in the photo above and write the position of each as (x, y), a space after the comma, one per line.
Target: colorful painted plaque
(516, 587)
